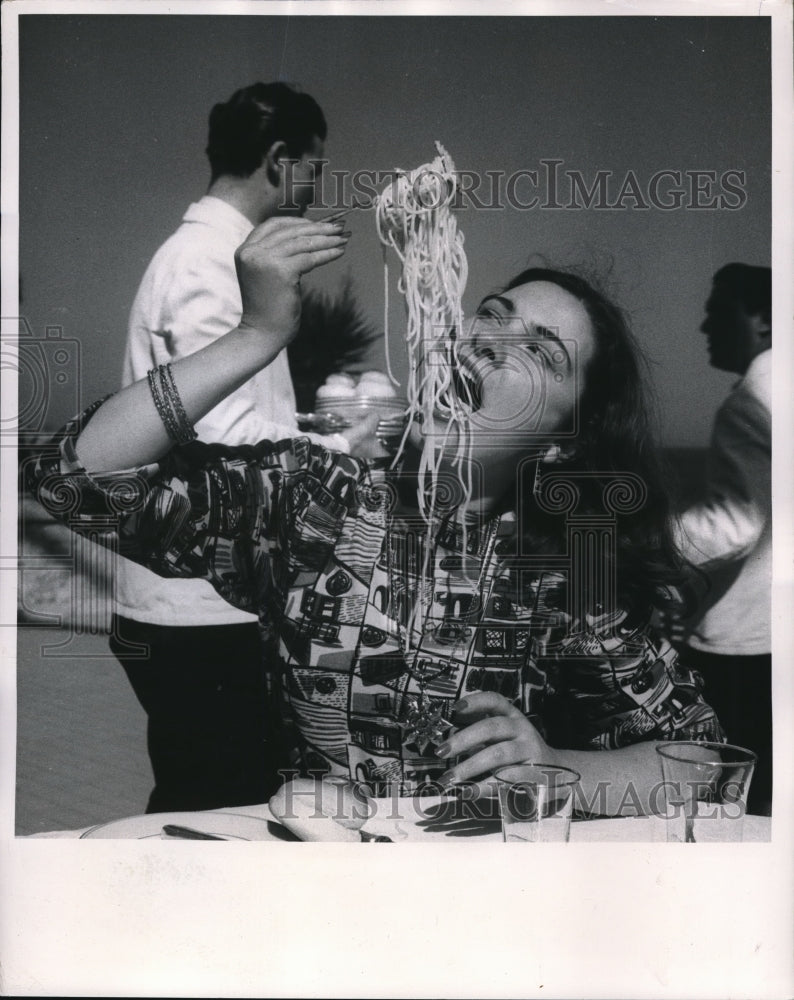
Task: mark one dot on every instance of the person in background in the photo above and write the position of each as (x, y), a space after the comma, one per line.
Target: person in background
(193, 660)
(728, 534)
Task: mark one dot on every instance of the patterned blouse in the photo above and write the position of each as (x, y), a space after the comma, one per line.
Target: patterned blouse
(374, 627)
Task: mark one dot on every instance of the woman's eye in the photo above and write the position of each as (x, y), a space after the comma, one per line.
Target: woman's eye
(539, 350)
(489, 315)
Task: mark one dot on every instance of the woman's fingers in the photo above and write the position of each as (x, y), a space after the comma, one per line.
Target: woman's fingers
(493, 733)
(307, 260)
(484, 703)
(292, 251)
(480, 734)
(285, 243)
(279, 231)
(302, 256)
(270, 264)
(311, 242)
(488, 760)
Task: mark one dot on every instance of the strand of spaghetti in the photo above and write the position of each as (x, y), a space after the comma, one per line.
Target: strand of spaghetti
(414, 218)
(386, 346)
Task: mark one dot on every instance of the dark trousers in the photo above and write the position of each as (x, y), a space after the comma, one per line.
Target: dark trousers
(739, 689)
(205, 695)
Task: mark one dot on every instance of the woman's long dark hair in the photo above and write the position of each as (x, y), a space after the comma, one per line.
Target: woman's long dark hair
(615, 435)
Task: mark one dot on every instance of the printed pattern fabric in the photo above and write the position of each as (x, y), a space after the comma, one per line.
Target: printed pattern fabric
(303, 537)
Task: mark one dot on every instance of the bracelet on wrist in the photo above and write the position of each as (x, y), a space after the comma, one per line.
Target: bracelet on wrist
(168, 404)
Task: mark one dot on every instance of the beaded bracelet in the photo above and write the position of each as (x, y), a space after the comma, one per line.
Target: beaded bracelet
(169, 405)
(159, 403)
(187, 432)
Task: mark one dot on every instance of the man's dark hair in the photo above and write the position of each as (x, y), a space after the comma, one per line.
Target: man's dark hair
(752, 286)
(243, 128)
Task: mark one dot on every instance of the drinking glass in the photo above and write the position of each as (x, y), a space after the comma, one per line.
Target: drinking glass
(704, 790)
(536, 802)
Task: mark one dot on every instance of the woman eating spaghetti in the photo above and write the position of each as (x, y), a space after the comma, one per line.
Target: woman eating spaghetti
(428, 636)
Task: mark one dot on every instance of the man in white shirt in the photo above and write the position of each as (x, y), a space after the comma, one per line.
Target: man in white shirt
(729, 533)
(193, 660)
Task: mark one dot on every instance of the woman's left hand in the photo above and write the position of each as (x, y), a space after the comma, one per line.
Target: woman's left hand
(493, 734)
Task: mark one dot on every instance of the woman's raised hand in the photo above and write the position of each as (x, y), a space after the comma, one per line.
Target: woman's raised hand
(270, 265)
(493, 733)
(127, 430)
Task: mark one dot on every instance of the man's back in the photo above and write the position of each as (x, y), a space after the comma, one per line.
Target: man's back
(202, 677)
(189, 297)
(730, 532)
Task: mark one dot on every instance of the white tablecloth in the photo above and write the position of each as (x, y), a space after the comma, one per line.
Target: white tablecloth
(426, 824)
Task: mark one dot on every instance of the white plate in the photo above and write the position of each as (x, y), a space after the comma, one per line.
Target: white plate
(234, 826)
